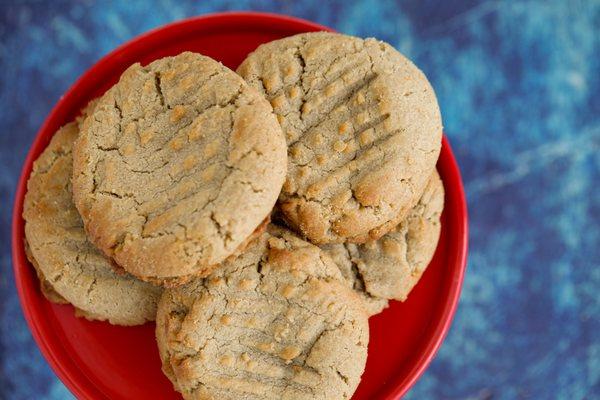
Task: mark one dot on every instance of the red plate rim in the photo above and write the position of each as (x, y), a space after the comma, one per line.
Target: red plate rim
(50, 344)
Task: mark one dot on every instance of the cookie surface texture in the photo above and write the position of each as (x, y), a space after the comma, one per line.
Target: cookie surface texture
(345, 257)
(70, 268)
(277, 323)
(176, 166)
(363, 129)
(389, 268)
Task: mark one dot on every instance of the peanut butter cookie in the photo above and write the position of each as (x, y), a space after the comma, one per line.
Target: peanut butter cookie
(363, 130)
(276, 323)
(70, 268)
(176, 166)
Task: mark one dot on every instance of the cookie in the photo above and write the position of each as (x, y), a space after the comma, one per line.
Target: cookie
(388, 268)
(276, 323)
(70, 268)
(363, 129)
(176, 166)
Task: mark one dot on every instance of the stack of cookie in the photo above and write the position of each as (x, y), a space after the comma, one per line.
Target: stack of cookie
(261, 218)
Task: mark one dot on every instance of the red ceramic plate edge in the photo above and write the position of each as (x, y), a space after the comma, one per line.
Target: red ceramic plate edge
(450, 174)
(49, 343)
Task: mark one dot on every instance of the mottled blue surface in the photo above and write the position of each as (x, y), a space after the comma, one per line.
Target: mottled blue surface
(518, 84)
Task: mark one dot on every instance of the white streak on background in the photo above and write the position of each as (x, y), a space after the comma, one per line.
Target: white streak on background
(576, 148)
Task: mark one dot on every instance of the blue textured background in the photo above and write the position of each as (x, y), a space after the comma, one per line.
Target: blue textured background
(518, 84)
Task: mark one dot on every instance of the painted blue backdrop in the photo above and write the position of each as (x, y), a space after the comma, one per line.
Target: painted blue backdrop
(518, 84)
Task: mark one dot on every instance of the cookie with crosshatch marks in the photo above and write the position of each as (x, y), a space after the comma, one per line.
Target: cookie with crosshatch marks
(363, 130)
(176, 166)
(389, 268)
(70, 268)
(275, 323)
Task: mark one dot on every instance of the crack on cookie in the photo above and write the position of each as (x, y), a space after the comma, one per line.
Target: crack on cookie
(92, 286)
(299, 56)
(342, 376)
(158, 86)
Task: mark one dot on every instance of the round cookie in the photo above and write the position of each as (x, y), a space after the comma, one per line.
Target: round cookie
(70, 268)
(388, 268)
(176, 166)
(363, 129)
(276, 323)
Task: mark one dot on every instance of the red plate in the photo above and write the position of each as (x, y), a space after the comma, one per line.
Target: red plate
(96, 360)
